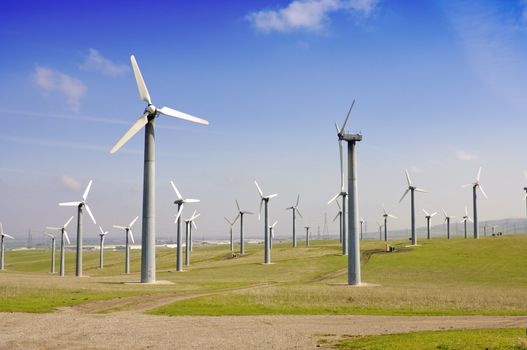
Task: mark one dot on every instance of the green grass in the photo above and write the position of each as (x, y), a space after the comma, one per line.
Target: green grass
(478, 339)
(440, 277)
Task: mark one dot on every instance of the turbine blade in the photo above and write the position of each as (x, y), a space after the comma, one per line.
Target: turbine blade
(408, 177)
(1, 229)
(444, 212)
(420, 190)
(392, 216)
(131, 236)
(236, 218)
(479, 174)
(238, 205)
(90, 213)
(404, 195)
(466, 211)
(70, 204)
(260, 210)
(333, 198)
(298, 211)
(482, 191)
(230, 223)
(68, 222)
(337, 127)
(433, 214)
(67, 237)
(176, 190)
(100, 229)
(259, 189)
(119, 227)
(85, 195)
(272, 195)
(141, 86)
(346, 120)
(195, 216)
(248, 212)
(297, 200)
(274, 224)
(177, 114)
(426, 213)
(178, 215)
(467, 185)
(189, 200)
(336, 216)
(8, 236)
(194, 224)
(470, 219)
(49, 228)
(133, 221)
(138, 125)
(525, 174)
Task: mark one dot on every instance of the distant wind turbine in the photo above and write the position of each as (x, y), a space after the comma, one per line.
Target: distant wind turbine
(80, 205)
(231, 224)
(241, 213)
(188, 227)
(128, 236)
(2, 248)
(361, 226)
(180, 201)
(146, 120)
(475, 186)
(271, 233)
(102, 235)
(295, 210)
(428, 220)
(52, 251)
(411, 188)
(464, 221)
(525, 189)
(447, 220)
(339, 215)
(63, 234)
(380, 230)
(386, 215)
(307, 236)
(265, 200)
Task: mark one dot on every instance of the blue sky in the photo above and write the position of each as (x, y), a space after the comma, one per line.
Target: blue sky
(440, 89)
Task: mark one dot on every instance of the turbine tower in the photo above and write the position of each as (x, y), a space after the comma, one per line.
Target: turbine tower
(428, 219)
(525, 189)
(447, 220)
(102, 235)
(231, 224)
(63, 234)
(339, 215)
(2, 248)
(380, 230)
(412, 189)
(271, 233)
(148, 237)
(188, 227)
(180, 203)
(464, 221)
(475, 186)
(386, 215)
(265, 199)
(52, 251)
(241, 213)
(307, 235)
(194, 217)
(80, 205)
(128, 236)
(295, 210)
(361, 226)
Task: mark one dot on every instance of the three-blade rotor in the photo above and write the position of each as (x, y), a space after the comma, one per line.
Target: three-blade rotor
(62, 229)
(263, 198)
(4, 234)
(181, 201)
(340, 135)
(127, 228)
(477, 184)
(295, 207)
(83, 202)
(410, 186)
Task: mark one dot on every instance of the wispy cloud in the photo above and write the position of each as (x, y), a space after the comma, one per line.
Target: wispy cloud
(70, 182)
(96, 62)
(310, 15)
(464, 155)
(52, 81)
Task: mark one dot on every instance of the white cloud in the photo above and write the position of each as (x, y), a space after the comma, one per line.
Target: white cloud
(54, 81)
(464, 155)
(70, 182)
(308, 15)
(97, 62)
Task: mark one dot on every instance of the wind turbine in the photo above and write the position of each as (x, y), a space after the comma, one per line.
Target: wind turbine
(63, 234)
(352, 241)
(475, 186)
(386, 215)
(307, 235)
(447, 220)
(464, 221)
(188, 227)
(180, 203)
(294, 209)
(525, 189)
(52, 251)
(80, 205)
(271, 233)
(148, 237)
(428, 219)
(102, 235)
(265, 199)
(194, 217)
(412, 189)
(380, 230)
(339, 215)
(493, 228)
(128, 236)
(231, 224)
(361, 226)
(241, 213)
(2, 249)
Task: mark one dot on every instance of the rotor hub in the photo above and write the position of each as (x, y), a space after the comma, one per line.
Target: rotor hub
(151, 109)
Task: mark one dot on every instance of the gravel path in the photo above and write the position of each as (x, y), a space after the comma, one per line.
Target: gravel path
(71, 328)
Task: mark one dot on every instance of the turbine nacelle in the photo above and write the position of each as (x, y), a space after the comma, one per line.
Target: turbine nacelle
(151, 110)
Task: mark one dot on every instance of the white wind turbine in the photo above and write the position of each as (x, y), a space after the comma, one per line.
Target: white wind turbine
(52, 251)
(180, 201)
(102, 235)
(428, 220)
(307, 235)
(380, 230)
(411, 188)
(465, 219)
(339, 215)
(295, 210)
(525, 189)
(188, 235)
(386, 215)
(362, 221)
(2, 248)
(447, 220)
(63, 235)
(265, 199)
(241, 213)
(146, 120)
(80, 205)
(271, 233)
(128, 236)
(231, 224)
(475, 185)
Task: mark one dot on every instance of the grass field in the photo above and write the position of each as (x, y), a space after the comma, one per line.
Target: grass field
(440, 277)
(495, 339)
